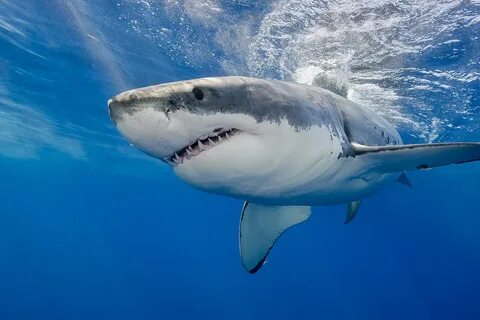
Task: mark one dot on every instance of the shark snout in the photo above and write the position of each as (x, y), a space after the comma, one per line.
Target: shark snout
(119, 104)
(115, 110)
(145, 125)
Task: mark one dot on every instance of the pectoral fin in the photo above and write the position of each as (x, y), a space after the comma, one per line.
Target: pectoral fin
(352, 209)
(395, 158)
(260, 227)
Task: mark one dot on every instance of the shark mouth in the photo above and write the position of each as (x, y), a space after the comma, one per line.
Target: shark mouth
(202, 144)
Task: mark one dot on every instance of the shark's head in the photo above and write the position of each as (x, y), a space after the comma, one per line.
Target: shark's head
(223, 135)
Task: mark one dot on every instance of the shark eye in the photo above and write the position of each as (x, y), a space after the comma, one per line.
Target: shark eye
(197, 93)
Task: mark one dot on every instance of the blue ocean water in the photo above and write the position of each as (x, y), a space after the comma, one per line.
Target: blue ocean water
(90, 228)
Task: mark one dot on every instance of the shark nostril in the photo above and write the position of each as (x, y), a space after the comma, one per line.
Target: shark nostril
(167, 113)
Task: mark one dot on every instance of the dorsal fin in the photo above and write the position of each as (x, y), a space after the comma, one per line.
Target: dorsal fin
(331, 83)
(260, 227)
(364, 126)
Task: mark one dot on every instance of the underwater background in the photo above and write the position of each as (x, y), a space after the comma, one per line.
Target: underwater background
(91, 228)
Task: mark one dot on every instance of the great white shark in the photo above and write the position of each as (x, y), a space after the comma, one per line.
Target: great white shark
(282, 147)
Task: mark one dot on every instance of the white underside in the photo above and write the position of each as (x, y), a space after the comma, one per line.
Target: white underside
(267, 163)
(281, 166)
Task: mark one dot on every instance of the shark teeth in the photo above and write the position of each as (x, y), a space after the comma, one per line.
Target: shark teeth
(204, 143)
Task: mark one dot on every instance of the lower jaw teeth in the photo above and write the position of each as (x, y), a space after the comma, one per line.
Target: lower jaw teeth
(190, 153)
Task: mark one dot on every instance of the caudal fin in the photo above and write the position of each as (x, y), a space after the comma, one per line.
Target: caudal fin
(394, 158)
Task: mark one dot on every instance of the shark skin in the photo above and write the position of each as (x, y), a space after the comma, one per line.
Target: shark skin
(281, 147)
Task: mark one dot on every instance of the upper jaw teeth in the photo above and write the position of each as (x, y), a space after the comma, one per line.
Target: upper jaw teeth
(203, 143)
(176, 159)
